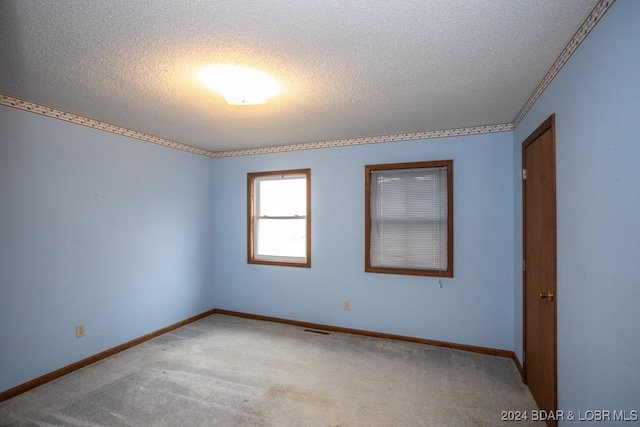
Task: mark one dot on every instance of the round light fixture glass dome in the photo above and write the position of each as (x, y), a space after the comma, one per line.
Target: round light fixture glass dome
(240, 85)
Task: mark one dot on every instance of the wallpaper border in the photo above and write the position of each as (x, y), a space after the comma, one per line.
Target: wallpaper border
(594, 17)
(21, 104)
(368, 140)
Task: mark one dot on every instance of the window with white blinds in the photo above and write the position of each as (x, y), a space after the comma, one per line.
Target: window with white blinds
(409, 218)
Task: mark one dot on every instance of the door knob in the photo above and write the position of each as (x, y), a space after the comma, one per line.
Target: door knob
(546, 295)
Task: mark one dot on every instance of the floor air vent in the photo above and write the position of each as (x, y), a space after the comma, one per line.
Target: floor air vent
(317, 332)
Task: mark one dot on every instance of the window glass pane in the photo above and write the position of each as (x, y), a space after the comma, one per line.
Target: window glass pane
(281, 237)
(411, 193)
(409, 218)
(282, 197)
(279, 222)
(410, 245)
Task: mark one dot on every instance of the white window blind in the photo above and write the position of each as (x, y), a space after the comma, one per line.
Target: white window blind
(409, 218)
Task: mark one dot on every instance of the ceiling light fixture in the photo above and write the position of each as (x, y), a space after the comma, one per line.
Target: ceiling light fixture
(239, 85)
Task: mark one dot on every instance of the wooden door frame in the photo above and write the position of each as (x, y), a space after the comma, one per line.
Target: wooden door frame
(549, 123)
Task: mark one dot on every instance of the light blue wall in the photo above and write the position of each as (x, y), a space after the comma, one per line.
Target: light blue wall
(98, 229)
(596, 101)
(475, 307)
(123, 236)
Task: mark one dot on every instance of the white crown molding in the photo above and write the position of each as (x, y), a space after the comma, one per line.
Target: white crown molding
(594, 17)
(591, 21)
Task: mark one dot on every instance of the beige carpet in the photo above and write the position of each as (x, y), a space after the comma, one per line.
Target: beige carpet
(227, 371)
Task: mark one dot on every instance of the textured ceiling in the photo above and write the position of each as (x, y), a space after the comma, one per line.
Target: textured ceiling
(349, 69)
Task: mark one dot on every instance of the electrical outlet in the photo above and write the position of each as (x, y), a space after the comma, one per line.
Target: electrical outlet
(346, 305)
(80, 330)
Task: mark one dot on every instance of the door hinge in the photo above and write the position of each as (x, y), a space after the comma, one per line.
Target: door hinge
(524, 174)
(524, 265)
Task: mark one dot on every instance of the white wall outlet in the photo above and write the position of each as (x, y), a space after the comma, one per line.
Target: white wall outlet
(346, 305)
(80, 330)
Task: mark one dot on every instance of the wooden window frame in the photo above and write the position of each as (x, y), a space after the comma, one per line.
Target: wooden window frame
(448, 164)
(251, 220)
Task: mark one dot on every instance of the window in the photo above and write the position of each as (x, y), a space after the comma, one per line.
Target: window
(409, 218)
(279, 217)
